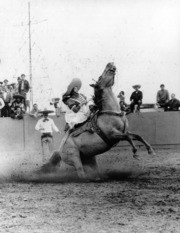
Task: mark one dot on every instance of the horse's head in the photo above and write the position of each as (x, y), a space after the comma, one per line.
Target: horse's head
(106, 80)
(107, 77)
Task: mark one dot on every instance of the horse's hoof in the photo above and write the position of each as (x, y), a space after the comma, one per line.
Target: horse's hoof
(46, 168)
(151, 152)
(136, 157)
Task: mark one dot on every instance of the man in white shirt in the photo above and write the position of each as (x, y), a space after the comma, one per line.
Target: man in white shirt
(46, 126)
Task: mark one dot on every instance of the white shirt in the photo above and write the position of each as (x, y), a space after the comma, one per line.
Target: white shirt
(47, 126)
(1, 103)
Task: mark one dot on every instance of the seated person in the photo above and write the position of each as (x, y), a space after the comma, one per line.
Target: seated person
(122, 102)
(17, 114)
(173, 104)
(162, 97)
(78, 110)
(35, 111)
(18, 101)
(136, 98)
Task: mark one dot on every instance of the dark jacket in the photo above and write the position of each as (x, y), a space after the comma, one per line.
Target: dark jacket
(173, 104)
(26, 86)
(136, 96)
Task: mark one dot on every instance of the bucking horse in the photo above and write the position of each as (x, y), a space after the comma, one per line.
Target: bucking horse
(103, 130)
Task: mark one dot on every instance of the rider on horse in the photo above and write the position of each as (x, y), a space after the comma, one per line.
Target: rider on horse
(78, 110)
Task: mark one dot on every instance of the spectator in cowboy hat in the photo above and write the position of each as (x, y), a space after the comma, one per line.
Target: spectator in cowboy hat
(18, 101)
(78, 111)
(46, 126)
(23, 86)
(136, 98)
(162, 97)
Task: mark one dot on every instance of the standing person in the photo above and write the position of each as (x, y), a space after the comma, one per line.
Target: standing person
(46, 126)
(122, 102)
(23, 86)
(1, 86)
(5, 85)
(7, 101)
(1, 102)
(136, 98)
(173, 104)
(162, 97)
(78, 110)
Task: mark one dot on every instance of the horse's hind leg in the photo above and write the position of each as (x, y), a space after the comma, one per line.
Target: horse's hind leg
(140, 139)
(134, 150)
(126, 137)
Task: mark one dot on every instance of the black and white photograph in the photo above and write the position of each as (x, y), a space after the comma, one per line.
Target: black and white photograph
(90, 116)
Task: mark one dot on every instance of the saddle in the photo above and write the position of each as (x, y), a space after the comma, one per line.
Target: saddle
(90, 125)
(86, 126)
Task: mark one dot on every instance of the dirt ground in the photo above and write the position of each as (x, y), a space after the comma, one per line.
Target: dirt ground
(136, 196)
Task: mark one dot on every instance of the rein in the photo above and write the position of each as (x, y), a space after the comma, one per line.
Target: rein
(111, 113)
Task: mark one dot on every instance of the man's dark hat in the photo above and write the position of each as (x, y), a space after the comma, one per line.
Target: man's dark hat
(45, 111)
(137, 85)
(1, 82)
(16, 96)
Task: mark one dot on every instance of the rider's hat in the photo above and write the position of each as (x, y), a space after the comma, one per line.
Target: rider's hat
(76, 82)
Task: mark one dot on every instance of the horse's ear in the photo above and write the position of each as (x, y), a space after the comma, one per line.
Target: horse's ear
(92, 85)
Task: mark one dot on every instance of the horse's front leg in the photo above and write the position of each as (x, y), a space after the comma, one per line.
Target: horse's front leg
(140, 139)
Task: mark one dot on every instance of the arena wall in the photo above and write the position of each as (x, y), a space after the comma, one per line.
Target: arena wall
(158, 128)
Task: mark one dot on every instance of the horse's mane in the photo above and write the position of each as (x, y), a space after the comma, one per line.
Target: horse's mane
(97, 97)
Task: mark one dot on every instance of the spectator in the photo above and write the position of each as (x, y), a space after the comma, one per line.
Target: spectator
(122, 102)
(23, 86)
(136, 98)
(7, 100)
(5, 84)
(35, 111)
(16, 85)
(18, 101)
(17, 113)
(11, 90)
(56, 103)
(162, 97)
(46, 126)
(1, 86)
(1, 102)
(173, 104)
